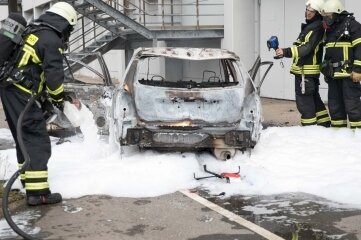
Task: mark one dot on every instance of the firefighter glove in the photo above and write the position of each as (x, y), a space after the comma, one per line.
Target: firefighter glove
(326, 69)
(59, 105)
(356, 77)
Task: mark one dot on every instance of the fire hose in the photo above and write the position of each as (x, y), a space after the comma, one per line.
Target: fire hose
(5, 200)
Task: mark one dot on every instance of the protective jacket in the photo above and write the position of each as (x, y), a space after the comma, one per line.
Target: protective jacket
(343, 45)
(39, 67)
(41, 59)
(307, 51)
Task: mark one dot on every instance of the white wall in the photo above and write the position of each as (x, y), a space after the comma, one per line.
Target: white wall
(241, 29)
(3, 12)
(283, 18)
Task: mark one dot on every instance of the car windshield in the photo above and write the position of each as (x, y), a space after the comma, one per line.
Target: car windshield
(185, 73)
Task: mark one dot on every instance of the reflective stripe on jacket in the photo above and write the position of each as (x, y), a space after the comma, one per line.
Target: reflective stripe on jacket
(42, 61)
(343, 43)
(307, 51)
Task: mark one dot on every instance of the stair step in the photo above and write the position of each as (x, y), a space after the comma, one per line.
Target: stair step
(106, 19)
(83, 5)
(115, 25)
(93, 11)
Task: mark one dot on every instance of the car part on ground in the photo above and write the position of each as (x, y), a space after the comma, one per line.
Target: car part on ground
(224, 175)
(188, 99)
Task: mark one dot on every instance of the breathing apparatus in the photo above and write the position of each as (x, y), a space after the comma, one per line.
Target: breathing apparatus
(12, 29)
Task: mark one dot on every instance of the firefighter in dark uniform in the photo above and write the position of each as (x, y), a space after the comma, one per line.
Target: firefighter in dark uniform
(342, 65)
(307, 55)
(39, 69)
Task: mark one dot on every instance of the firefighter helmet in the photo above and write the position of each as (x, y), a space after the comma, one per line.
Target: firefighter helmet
(315, 4)
(66, 11)
(332, 6)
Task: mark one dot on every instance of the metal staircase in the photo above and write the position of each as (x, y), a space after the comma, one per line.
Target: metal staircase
(106, 24)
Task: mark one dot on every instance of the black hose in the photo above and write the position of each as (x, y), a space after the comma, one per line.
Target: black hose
(5, 200)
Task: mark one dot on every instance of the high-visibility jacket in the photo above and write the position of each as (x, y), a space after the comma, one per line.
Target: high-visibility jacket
(343, 45)
(41, 59)
(307, 51)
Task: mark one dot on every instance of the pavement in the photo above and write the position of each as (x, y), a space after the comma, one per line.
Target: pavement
(180, 215)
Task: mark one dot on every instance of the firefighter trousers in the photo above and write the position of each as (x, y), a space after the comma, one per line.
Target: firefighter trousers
(35, 137)
(309, 103)
(344, 102)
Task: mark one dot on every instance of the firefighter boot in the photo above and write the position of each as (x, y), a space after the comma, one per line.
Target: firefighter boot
(51, 198)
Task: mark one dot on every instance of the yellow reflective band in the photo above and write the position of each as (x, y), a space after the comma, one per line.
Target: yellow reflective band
(339, 74)
(22, 176)
(56, 91)
(345, 53)
(356, 41)
(320, 113)
(307, 38)
(22, 88)
(355, 124)
(42, 80)
(61, 50)
(36, 186)
(32, 39)
(322, 120)
(309, 120)
(306, 67)
(20, 165)
(338, 44)
(294, 51)
(24, 60)
(314, 59)
(36, 174)
(339, 122)
(357, 62)
(32, 52)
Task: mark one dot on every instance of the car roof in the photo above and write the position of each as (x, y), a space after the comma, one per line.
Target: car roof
(187, 53)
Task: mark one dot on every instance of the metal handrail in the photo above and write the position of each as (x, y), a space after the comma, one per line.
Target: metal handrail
(82, 34)
(143, 4)
(164, 17)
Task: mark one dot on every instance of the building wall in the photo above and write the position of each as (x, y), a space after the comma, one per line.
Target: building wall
(241, 29)
(248, 24)
(3, 12)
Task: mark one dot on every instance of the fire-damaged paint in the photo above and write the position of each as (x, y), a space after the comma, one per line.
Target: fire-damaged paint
(92, 85)
(187, 99)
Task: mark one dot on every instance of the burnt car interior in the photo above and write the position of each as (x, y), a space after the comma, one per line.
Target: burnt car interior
(185, 73)
(87, 79)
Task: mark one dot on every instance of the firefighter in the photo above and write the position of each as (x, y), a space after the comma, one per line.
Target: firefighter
(307, 55)
(342, 65)
(39, 69)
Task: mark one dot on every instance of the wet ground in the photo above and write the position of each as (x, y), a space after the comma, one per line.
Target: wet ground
(295, 214)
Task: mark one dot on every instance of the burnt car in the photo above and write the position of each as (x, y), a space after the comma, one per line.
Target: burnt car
(188, 99)
(87, 79)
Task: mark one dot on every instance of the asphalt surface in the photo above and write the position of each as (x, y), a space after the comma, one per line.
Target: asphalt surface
(176, 216)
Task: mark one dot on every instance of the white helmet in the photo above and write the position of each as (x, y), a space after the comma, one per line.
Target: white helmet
(315, 4)
(332, 6)
(66, 11)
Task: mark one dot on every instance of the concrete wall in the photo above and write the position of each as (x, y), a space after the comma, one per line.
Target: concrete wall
(3, 12)
(241, 29)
